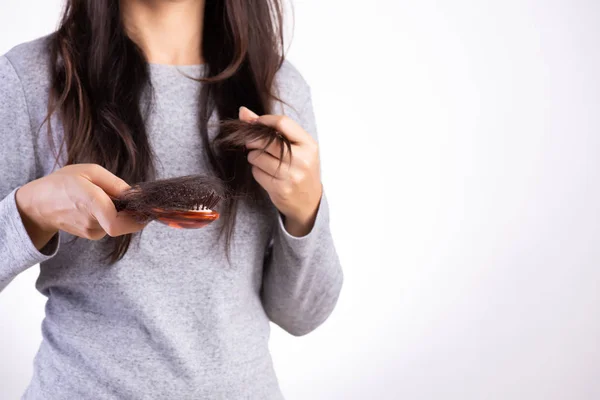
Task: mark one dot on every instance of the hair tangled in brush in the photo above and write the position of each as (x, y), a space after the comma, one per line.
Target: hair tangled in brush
(234, 134)
(147, 201)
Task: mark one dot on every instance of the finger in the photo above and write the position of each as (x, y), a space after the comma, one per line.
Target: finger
(125, 223)
(103, 209)
(276, 149)
(246, 115)
(101, 177)
(85, 233)
(265, 180)
(95, 234)
(271, 165)
(286, 126)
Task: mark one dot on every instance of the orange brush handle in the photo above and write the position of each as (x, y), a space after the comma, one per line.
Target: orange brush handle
(186, 219)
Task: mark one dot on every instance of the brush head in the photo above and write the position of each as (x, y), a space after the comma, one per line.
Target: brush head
(182, 202)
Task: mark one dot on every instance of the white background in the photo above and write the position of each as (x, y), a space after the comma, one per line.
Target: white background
(460, 143)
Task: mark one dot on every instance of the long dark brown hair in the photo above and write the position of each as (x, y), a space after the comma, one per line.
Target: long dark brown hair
(99, 77)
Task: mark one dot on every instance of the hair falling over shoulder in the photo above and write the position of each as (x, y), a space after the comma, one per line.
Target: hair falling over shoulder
(99, 77)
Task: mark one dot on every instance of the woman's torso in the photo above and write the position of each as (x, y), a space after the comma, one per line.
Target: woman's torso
(172, 319)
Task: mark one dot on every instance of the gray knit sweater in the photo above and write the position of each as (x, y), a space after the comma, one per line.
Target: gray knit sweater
(171, 320)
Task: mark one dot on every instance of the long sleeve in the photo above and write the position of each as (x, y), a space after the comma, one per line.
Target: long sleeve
(18, 166)
(303, 277)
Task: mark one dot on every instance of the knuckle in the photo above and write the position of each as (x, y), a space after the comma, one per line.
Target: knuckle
(305, 162)
(297, 176)
(83, 205)
(282, 123)
(286, 191)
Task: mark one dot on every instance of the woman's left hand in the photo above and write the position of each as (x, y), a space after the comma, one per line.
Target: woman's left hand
(295, 188)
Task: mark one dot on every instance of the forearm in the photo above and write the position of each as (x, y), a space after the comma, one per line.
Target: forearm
(17, 250)
(303, 279)
(299, 226)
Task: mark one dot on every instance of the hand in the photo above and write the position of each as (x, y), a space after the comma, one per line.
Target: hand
(295, 188)
(74, 199)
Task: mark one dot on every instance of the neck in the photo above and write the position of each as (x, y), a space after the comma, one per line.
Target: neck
(169, 32)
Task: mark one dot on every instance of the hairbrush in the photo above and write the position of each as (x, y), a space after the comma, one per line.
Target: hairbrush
(182, 202)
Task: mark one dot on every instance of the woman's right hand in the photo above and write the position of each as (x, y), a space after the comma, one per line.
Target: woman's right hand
(74, 199)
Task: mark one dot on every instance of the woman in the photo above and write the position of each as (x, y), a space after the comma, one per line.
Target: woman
(124, 92)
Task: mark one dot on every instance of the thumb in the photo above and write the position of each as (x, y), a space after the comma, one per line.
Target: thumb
(246, 115)
(99, 176)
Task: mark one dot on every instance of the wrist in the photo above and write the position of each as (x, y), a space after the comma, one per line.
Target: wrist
(38, 230)
(301, 223)
(298, 228)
